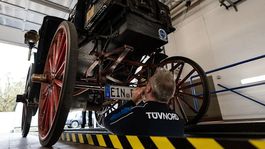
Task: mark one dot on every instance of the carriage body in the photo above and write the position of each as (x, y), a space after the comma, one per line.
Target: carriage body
(103, 43)
(121, 33)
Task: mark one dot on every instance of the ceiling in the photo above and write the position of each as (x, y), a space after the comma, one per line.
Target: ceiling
(18, 16)
(28, 14)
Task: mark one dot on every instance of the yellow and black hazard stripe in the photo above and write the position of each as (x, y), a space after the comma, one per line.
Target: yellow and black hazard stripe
(150, 142)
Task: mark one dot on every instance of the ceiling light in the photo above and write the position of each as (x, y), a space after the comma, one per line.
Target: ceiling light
(253, 79)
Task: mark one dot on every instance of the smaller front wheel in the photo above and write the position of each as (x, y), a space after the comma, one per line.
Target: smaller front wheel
(191, 98)
(26, 120)
(27, 98)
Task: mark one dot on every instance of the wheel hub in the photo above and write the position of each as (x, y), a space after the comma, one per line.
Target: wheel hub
(40, 78)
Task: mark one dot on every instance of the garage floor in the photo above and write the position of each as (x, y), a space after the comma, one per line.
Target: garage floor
(15, 141)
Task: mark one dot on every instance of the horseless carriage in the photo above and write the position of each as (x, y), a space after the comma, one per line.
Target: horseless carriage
(103, 44)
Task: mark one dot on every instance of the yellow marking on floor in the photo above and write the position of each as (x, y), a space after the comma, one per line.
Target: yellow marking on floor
(162, 142)
(115, 141)
(67, 137)
(89, 139)
(73, 137)
(260, 144)
(81, 139)
(101, 140)
(135, 142)
(202, 143)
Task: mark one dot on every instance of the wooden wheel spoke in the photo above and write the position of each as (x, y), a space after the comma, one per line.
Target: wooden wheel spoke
(61, 56)
(44, 123)
(60, 71)
(51, 112)
(190, 85)
(45, 90)
(45, 113)
(179, 73)
(50, 102)
(182, 111)
(62, 41)
(188, 94)
(50, 65)
(174, 67)
(184, 101)
(45, 102)
(55, 54)
(184, 79)
(59, 83)
(56, 93)
(59, 42)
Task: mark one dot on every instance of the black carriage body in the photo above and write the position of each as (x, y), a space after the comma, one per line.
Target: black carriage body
(109, 25)
(142, 24)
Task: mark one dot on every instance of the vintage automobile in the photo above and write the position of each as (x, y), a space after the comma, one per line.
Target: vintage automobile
(74, 119)
(103, 45)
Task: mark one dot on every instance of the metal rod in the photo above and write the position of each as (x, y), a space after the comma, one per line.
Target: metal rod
(235, 64)
(242, 95)
(237, 88)
(89, 87)
(231, 65)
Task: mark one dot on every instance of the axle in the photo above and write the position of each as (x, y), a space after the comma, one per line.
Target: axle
(39, 78)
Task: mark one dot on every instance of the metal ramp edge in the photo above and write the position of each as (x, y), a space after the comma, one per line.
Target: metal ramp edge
(160, 142)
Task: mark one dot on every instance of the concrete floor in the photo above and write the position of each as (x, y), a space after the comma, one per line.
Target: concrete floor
(15, 141)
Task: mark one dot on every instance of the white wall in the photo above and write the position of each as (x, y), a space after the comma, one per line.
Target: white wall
(215, 37)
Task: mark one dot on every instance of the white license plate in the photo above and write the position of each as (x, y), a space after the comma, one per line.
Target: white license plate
(118, 92)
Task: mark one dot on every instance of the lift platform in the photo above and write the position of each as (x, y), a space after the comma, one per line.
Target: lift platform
(212, 136)
(114, 141)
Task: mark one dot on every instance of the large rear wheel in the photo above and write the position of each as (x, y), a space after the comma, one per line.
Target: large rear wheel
(57, 89)
(191, 98)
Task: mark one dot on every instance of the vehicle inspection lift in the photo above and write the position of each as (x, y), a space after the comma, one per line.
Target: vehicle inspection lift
(141, 142)
(214, 135)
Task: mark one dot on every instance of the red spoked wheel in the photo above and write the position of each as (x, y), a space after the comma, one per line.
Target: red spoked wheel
(57, 89)
(191, 98)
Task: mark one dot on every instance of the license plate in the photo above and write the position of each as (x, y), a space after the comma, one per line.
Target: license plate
(118, 92)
